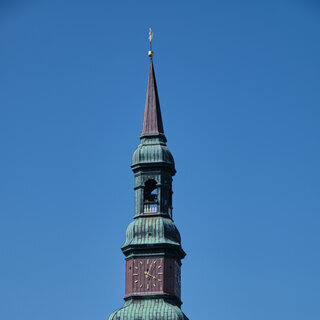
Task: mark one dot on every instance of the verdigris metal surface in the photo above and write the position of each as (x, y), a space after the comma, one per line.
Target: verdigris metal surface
(148, 309)
(152, 230)
(152, 150)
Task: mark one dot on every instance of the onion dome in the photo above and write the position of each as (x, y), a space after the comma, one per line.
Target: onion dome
(153, 150)
(153, 231)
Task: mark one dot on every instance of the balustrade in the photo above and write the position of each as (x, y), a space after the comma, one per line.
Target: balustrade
(150, 208)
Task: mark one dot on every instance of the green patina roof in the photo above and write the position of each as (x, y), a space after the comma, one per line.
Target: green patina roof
(152, 150)
(152, 230)
(148, 309)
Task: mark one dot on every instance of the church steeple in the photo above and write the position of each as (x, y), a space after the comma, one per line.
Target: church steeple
(152, 247)
(152, 121)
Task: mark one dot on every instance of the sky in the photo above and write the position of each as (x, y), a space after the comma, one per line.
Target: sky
(239, 91)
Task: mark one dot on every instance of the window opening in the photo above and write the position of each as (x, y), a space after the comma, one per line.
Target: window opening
(150, 197)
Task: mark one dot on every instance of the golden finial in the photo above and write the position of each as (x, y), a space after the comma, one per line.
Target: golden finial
(150, 53)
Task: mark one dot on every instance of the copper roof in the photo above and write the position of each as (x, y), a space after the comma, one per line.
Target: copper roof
(152, 121)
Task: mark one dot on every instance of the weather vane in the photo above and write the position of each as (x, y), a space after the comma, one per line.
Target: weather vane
(150, 53)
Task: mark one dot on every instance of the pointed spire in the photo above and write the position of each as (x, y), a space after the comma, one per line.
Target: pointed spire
(152, 121)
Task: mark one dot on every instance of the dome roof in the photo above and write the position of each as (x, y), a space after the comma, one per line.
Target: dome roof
(151, 150)
(152, 230)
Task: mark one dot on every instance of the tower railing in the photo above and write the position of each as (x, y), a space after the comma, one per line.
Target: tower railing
(150, 208)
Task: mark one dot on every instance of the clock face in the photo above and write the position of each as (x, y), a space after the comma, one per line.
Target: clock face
(144, 276)
(147, 275)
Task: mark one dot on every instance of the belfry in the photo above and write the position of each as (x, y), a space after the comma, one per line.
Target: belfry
(152, 247)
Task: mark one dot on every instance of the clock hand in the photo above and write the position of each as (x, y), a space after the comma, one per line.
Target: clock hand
(147, 274)
(150, 275)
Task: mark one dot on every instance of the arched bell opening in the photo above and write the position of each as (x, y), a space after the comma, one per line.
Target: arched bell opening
(150, 201)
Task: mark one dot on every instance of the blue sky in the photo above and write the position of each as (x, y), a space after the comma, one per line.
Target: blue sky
(239, 91)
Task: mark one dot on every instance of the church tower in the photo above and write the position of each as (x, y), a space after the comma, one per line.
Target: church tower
(152, 248)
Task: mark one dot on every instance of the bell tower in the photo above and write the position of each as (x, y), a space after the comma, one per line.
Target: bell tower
(152, 248)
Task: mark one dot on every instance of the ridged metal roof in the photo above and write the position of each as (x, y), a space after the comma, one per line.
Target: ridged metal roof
(152, 230)
(148, 152)
(148, 309)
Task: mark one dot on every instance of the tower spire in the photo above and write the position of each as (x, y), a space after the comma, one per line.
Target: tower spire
(152, 247)
(152, 121)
